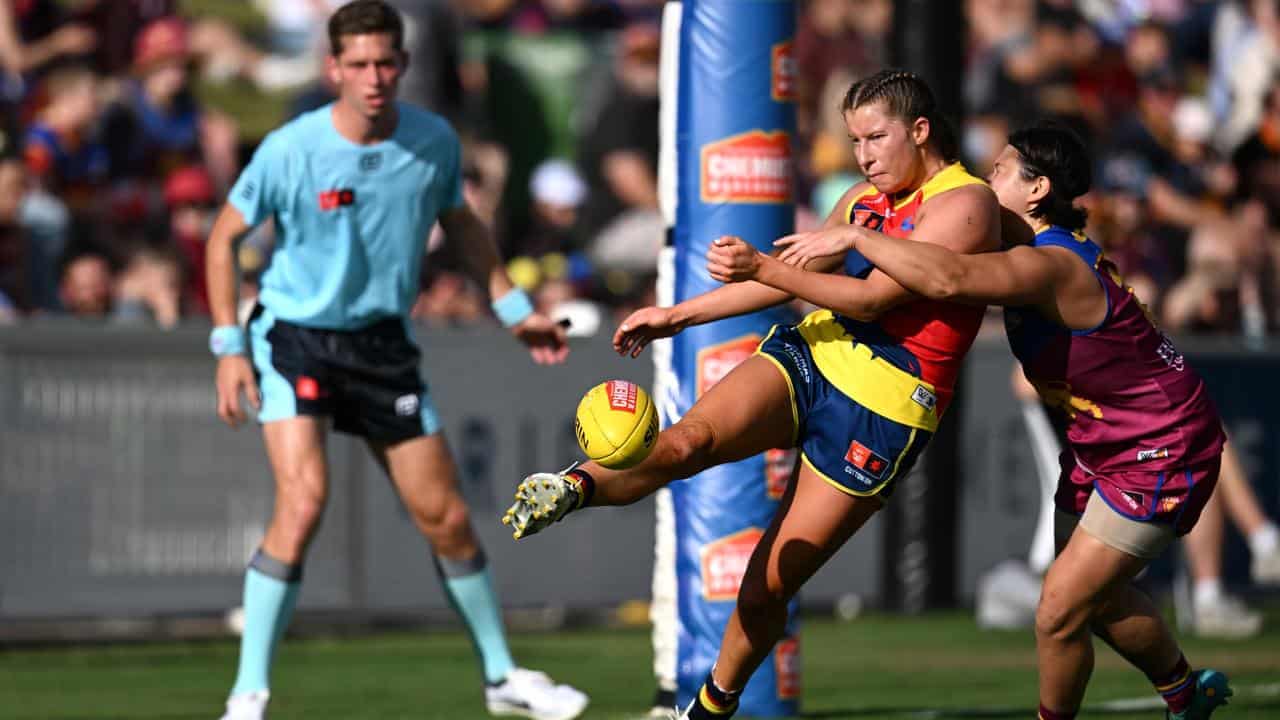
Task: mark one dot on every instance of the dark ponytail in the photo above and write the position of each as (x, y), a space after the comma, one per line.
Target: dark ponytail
(1048, 149)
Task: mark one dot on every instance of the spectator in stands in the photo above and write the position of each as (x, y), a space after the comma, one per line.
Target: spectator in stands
(14, 294)
(149, 289)
(34, 34)
(619, 155)
(159, 125)
(117, 24)
(1125, 228)
(1245, 55)
(1229, 282)
(62, 154)
(192, 203)
(557, 191)
(1257, 160)
(849, 36)
(85, 290)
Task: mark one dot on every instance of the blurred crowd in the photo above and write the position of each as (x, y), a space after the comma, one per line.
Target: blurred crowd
(112, 165)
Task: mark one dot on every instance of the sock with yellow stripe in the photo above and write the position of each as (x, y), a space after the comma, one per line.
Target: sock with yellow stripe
(1177, 687)
(713, 703)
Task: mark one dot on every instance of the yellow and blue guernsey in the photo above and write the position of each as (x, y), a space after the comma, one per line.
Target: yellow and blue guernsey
(867, 396)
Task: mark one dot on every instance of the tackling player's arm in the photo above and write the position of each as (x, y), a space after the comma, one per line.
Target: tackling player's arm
(1018, 276)
(474, 244)
(234, 370)
(648, 324)
(963, 220)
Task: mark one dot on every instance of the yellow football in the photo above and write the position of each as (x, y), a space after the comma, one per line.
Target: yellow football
(616, 424)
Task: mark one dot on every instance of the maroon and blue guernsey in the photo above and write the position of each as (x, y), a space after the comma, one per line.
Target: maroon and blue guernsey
(1133, 403)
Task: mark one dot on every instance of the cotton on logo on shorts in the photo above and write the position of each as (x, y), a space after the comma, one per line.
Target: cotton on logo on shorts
(407, 405)
(724, 562)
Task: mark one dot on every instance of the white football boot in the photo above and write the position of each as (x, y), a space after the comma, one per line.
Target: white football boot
(531, 694)
(248, 706)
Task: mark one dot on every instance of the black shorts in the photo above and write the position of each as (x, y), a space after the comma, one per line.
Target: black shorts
(367, 380)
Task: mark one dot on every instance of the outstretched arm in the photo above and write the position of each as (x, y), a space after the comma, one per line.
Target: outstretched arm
(651, 323)
(479, 253)
(1019, 276)
(731, 260)
(963, 220)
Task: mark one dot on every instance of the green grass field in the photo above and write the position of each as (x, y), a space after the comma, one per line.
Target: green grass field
(876, 666)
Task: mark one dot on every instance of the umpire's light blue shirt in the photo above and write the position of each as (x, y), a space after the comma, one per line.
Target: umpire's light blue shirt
(351, 220)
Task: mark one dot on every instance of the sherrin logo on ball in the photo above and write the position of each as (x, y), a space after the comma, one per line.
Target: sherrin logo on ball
(616, 424)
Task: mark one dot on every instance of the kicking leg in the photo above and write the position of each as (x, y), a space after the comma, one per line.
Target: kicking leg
(747, 412)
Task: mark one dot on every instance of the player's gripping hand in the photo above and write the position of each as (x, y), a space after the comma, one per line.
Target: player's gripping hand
(643, 327)
(235, 374)
(544, 338)
(800, 248)
(542, 499)
(732, 259)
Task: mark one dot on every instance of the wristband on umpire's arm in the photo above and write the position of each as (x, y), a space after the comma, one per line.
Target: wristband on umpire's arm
(227, 340)
(513, 307)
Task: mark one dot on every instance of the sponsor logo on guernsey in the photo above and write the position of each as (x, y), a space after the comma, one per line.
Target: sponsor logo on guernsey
(622, 395)
(783, 67)
(407, 405)
(724, 562)
(924, 398)
(306, 388)
(786, 665)
(779, 463)
(866, 459)
(864, 216)
(716, 361)
(334, 199)
(751, 167)
(1156, 454)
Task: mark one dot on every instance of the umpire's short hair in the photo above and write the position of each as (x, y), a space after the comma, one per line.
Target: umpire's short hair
(363, 17)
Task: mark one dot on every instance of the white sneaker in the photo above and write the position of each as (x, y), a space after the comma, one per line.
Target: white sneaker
(1226, 617)
(531, 694)
(1265, 568)
(248, 706)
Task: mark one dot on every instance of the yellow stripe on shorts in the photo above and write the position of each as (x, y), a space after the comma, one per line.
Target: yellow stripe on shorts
(870, 381)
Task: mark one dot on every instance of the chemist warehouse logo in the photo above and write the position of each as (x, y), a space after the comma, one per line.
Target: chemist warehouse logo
(724, 562)
(753, 167)
(783, 71)
(716, 361)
